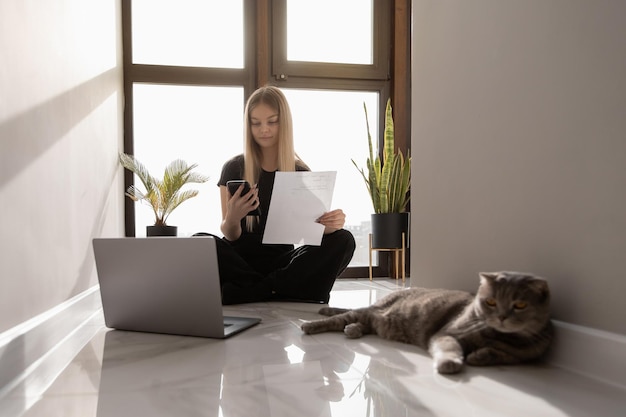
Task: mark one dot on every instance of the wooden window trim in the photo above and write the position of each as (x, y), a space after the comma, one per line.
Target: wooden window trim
(378, 70)
(259, 60)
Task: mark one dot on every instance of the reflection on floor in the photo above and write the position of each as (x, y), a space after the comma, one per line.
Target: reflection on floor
(273, 369)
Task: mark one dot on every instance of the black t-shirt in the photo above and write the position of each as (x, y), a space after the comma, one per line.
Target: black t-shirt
(233, 169)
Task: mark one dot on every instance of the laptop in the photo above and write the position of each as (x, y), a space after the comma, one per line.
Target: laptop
(164, 285)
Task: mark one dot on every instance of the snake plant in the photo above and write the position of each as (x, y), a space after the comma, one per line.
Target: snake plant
(163, 196)
(388, 180)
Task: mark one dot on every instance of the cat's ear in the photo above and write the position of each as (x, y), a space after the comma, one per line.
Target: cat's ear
(488, 277)
(540, 286)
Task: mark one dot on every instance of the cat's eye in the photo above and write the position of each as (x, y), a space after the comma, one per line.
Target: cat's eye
(520, 305)
(491, 302)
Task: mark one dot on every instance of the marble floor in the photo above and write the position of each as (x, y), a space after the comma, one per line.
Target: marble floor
(273, 369)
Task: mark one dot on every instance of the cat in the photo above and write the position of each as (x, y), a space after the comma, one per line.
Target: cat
(506, 322)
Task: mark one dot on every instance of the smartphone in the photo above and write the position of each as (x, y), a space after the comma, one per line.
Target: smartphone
(233, 185)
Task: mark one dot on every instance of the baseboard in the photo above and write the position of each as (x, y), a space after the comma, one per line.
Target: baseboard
(24, 346)
(594, 353)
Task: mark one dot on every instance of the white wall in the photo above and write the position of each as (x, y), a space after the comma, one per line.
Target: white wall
(519, 148)
(60, 131)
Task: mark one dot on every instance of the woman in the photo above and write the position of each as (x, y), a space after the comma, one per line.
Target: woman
(251, 271)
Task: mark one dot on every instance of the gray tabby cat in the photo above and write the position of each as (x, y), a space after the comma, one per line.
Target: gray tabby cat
(506, 322)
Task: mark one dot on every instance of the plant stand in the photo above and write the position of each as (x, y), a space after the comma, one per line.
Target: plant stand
(399, 258)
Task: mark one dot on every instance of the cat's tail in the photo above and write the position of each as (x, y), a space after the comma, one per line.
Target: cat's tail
(332, 311)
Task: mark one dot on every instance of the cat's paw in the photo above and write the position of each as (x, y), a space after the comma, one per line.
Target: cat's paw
(310, 327)
(449, 366)
(353, 331)
(482, 357)
(325, 311)
(332, 311)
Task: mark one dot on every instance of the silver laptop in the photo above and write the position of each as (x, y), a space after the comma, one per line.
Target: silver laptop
(164, 285)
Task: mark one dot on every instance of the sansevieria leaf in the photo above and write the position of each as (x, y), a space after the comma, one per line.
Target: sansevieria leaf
(388, 181)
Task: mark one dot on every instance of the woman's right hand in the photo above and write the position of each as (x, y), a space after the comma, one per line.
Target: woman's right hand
(238, 206)
(234, 208)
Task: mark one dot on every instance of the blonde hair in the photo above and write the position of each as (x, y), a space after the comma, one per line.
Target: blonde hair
(287, 158)
(270, 96)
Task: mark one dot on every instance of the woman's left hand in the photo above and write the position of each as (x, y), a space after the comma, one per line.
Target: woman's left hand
(332, 220)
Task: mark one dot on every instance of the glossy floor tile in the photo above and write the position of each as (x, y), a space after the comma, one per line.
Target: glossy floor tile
(273, 369)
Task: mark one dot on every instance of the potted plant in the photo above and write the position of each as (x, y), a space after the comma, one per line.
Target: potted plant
(163, 196)
(388, 182)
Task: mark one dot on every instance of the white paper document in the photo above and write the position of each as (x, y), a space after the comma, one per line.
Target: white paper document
(298, 200)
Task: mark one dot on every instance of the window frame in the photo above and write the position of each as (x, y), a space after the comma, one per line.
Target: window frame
(264, 62)
(282, 68)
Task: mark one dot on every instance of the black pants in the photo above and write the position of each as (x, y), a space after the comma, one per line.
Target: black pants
(250, 271)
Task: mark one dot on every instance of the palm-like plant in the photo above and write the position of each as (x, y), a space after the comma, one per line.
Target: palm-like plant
(163, 196)
(388, 181)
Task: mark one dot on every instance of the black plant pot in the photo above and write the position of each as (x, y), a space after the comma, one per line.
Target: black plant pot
(152, 231)
(387, 229)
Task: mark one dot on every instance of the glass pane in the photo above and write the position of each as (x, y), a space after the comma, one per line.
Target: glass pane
(196, 33)
(335, 31)
(330, 131)
(200, 125)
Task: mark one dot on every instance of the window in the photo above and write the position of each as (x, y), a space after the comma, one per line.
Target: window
(336, 43)
(180, 33)
(330, 39)
(191, 64)
(329, 131)
(199, 124)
